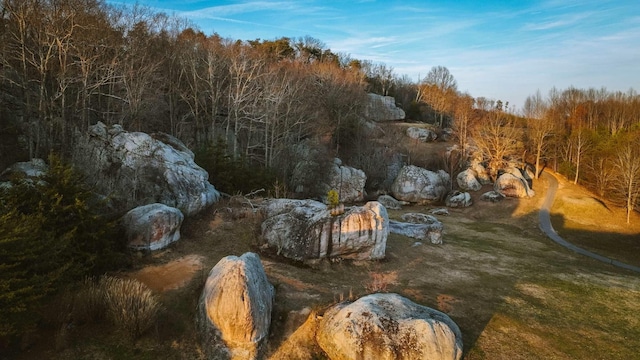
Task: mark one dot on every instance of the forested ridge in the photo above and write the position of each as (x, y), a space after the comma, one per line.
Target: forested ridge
(67, 64)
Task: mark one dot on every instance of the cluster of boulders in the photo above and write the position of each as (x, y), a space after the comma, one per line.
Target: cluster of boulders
(159, 174)
(234, 316)
(156, 173)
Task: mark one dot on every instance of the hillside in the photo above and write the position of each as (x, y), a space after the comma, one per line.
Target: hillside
(514, 293)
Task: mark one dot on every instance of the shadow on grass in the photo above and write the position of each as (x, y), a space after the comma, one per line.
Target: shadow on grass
(622, 247)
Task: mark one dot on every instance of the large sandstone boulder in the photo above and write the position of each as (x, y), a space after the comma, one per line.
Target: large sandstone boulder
(305, 230)
(468, 180)
(234, 311)
(418, 185)
(421, 134)
(347, 181)
(388, 327)
(418, 226)
(458, 199)
(28, 169)
(513, 184)
(138, 169)
(152, 227)
(382, 108)
(424, 232)
(481, 172)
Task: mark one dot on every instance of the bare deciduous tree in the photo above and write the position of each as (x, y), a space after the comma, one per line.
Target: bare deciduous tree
(539, 126)
(498, 139)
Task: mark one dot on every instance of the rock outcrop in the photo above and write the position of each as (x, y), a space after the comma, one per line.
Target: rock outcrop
(234, 311)
(152, 227)
(481, 172)
(425, 232)
(383, 108)
(28, 169)
(305, 230)
(390, 202)
(458, 199)
(140, 169)
(347, 181)
(468, 180)
(421, 134)
(513, 184)
(418, 185)
(386, 327)
(418, 226)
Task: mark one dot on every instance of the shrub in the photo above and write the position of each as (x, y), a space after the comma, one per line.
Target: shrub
(131, 306)
(89, 303)
(333, 198)
(52, 232)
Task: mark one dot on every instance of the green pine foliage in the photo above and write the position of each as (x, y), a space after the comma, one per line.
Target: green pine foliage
(52, 232)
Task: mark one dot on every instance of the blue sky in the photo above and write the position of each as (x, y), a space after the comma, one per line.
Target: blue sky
(497, 49)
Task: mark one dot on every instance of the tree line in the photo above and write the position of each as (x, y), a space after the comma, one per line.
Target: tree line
(592, 136)
(66, 64)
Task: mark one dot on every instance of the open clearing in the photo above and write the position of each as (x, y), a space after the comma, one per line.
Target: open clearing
(514, 293)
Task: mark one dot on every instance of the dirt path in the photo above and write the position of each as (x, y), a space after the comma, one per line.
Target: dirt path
(547, 228)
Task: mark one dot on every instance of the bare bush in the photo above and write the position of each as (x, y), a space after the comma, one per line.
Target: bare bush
(89, 303)
(131, 306)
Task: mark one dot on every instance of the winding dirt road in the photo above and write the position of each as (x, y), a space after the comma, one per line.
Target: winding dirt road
(547, 228)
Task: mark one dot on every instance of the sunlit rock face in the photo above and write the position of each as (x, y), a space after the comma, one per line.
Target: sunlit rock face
(305, 230)
(234, 311)
(481, 172)
(388, 327)
(152, 227)
(383, 108)
(347, 181)
(418, 185)
(513, 184)
(141, 168)
(468, 180)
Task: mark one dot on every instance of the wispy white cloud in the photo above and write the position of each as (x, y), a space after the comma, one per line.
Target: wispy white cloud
(558, 22)
(241, 8)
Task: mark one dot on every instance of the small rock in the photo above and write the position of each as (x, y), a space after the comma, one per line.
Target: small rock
(441, 211)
